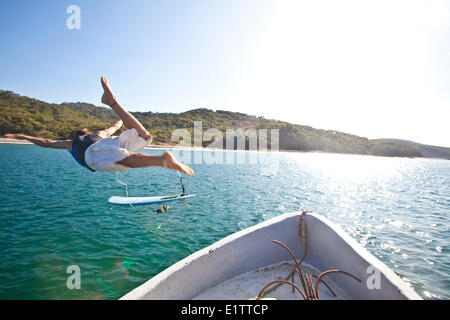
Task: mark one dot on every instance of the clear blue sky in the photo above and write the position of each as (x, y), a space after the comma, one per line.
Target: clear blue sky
(372, 68)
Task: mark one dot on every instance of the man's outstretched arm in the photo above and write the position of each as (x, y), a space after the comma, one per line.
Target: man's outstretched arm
(43, 142)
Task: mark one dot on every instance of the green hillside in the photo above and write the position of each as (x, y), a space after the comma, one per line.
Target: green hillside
(19, 114)
(428, 151)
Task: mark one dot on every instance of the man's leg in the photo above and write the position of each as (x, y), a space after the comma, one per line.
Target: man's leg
(140, 160)
(106, 133)
(166, 160)
(129, 121)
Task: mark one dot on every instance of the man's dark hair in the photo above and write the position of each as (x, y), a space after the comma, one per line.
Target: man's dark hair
(83, 132)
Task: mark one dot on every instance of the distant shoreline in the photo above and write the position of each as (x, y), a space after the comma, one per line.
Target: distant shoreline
(301, 138)
(168, 146)
(13, 141)
(161, 146)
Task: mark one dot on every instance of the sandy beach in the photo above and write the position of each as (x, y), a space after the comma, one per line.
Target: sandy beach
(158, 146)
(15, 141)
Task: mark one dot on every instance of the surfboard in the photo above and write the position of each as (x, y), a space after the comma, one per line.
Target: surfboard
(137, 201)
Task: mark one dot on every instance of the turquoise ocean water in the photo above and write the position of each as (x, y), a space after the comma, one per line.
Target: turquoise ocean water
(54, 214)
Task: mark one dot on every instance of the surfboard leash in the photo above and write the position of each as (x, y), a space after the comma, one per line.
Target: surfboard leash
(124, 184)
(182, 185)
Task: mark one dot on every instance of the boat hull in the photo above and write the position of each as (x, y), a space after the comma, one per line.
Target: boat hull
(328, 247)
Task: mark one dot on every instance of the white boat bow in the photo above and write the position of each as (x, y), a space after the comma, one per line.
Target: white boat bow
(247, 251)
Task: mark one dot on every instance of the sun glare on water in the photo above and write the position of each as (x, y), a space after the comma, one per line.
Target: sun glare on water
(352, 168)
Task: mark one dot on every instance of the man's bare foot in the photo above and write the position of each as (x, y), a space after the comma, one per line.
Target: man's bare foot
(170, 162)
(108, 96)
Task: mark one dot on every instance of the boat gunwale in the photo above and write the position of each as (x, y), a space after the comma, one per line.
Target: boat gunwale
(142, 291)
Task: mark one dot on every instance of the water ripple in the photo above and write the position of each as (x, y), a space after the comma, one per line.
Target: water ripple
(54, 215)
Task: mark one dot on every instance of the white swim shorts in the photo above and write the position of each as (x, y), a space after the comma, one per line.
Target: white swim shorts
(105, 153)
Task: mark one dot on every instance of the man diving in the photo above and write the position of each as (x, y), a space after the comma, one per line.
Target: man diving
(99, 151)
